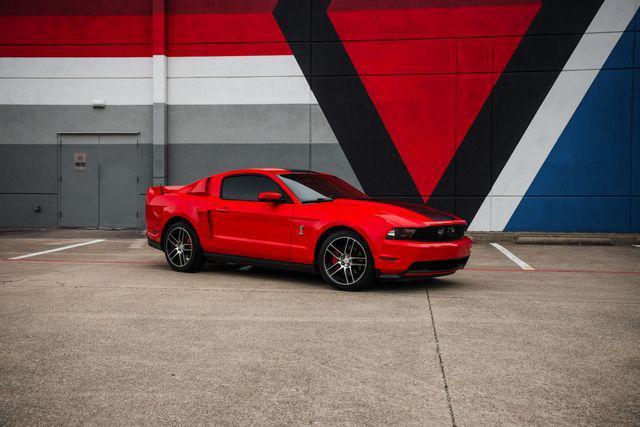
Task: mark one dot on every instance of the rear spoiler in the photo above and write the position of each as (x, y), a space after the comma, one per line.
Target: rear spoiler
(161, 189)
(198, 188)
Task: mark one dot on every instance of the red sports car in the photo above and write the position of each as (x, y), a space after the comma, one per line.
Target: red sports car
(302, 220)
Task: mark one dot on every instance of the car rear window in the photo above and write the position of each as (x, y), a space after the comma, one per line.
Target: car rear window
(247, 187)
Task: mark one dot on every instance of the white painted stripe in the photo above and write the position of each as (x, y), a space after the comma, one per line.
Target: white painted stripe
(247, 80)
(523, 265)
(135, 67)
(599, 45)
(75, 91)
(245, 90)
(187, 91)
(637, 246)
(142, 67)
(553, 115)
(59, 249)
(159, 79)
(234, 66)
(615, 18)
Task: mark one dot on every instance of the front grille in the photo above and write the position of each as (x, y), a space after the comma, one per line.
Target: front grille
(442, 265)
(439, 233)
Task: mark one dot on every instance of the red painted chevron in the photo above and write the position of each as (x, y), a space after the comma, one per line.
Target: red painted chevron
(430, 68)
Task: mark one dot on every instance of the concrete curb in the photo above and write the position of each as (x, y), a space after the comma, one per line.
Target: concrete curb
(523, 238)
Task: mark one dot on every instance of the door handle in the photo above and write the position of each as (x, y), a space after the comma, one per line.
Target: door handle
(222, 210)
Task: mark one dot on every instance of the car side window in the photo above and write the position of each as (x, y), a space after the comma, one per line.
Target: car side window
(248, 187)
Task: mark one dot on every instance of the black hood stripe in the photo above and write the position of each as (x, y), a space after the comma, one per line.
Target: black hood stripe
(433, 214)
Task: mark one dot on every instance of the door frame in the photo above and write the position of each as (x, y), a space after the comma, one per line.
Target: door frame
(60, 135)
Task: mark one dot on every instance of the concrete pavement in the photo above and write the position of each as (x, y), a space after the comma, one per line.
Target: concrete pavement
(108, 334)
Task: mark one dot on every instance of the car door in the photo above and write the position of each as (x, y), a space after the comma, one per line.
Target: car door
(244, 226)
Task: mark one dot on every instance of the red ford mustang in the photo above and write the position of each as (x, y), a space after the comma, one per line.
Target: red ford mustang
(302, 220)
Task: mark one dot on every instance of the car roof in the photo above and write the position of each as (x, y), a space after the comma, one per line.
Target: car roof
(268, 170)
(261, 171)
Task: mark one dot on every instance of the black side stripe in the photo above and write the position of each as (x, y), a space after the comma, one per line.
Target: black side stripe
(345, 102)
(516, 97)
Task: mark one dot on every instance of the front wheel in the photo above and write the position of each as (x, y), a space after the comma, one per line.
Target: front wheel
(345, 261)
(182, 248)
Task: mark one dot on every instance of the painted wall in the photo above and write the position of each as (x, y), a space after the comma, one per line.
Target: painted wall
(515, 114)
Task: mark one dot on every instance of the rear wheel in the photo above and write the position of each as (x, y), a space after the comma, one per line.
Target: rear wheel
(182, 248)
(345, 261)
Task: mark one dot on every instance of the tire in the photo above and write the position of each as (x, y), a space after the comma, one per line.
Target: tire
(176, 248)
(345, 261)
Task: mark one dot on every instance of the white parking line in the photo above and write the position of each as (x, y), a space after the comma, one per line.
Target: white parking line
(523, 265)
(58, 249)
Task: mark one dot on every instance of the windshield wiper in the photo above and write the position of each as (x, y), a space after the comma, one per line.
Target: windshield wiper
(319, 200)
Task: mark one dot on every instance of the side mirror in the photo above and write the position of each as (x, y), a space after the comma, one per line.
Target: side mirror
(269, 196)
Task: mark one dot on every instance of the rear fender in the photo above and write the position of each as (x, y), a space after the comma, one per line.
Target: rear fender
(155, 208)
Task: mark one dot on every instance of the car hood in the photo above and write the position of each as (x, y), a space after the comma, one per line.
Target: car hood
(402, 214)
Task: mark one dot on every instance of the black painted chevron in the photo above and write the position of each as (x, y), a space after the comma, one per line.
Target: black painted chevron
(514, 101)
(344, 101)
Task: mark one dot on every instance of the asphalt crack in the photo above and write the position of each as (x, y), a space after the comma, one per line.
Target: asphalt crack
(444, 376)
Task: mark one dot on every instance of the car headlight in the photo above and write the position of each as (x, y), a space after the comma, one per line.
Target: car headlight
(401, 233)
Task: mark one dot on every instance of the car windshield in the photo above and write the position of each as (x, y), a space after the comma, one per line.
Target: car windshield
(314, 187)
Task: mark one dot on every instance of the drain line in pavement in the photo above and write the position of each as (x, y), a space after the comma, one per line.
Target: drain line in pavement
(444, 377)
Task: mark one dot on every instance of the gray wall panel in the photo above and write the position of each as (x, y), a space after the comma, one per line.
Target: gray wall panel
(118, 173)
(145, 167)
(33, 168)
(321, 132)
(17, 211)
(244, 124)
(79, 189)
(39, 124)
(159, 167)
(189, 162)
(142, 223)
(28, 168)
(330, 158)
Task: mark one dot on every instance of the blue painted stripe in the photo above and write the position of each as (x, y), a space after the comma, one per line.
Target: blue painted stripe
(585, 182)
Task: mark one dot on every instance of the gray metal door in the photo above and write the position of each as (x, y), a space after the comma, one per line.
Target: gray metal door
(99, 181)
(118, 181)
(79, 163)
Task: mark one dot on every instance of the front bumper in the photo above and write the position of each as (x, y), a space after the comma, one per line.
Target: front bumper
(405, 258)
(154, 244)
(153, 239)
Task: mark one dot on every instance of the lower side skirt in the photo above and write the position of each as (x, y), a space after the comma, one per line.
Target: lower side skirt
(259, 262)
